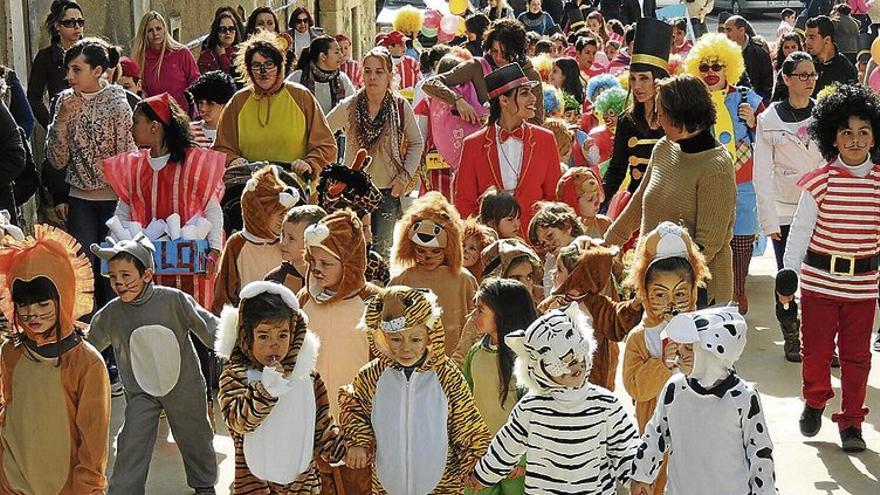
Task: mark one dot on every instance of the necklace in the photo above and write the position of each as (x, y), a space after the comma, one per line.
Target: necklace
(509, 166)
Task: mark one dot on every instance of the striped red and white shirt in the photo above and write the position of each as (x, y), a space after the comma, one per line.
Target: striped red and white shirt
(352, 69)
(408, 70)
(847, 224)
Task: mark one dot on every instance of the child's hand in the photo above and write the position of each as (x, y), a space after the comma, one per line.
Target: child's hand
(357, 458)
(670, 355)
(517, 472)
(474, 484)
(686, 362)
(639, 488)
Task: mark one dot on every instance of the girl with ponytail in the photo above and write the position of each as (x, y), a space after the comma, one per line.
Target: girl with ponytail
(318, 70)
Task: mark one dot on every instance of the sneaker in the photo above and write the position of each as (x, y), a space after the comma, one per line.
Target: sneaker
(811, 421)
(116, 389)
(206, 491)
(877, 342)
(851, 440)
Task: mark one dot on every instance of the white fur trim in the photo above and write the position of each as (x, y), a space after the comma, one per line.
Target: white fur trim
(251, 185)
(288, 198)
(227, 332)
(258, 287)
(315, 234)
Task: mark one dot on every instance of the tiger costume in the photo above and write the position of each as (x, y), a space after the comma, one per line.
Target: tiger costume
(444, 435)
(276, 435)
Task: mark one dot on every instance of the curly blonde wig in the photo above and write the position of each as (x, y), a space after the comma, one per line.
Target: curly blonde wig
(408, 20)
(432, 206)
(715, 47)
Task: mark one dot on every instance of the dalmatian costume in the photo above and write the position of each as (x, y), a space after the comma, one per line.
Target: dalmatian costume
(714, 437)
(576, 440)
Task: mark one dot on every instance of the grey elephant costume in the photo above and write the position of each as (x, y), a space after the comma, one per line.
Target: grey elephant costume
(159, 368)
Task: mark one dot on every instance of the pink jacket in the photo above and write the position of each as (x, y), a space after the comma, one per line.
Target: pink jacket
(178, 71)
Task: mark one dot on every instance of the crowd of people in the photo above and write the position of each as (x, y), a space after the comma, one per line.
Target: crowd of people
(412, 272)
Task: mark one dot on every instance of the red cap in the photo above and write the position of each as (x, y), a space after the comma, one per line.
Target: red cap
(129, 67)
(161, 106)
(391, 39)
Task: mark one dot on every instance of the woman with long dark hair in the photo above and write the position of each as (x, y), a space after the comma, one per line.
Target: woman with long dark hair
(318, 69)
(786, 45)
(65, 24)
(218, 50)
(566, 75)
(264, 19)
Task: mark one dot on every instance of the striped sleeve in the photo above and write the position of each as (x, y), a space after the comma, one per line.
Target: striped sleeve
(509, 444)
(622, 441)
(244, 405)
(355, 408)
(654, 443)
(328, 441)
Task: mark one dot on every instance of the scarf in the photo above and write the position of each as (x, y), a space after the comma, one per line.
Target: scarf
(387, 122)
(313, 74)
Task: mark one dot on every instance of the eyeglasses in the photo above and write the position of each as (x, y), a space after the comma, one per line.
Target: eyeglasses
(226, 29)
(716, 67)
(806, 76)
(71, 23)
(264, 67)
(302, 20)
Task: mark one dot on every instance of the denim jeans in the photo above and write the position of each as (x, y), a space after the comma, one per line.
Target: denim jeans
(383, 221)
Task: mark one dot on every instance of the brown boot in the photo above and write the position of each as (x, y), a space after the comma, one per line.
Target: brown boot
(787, 316)
(742, 301)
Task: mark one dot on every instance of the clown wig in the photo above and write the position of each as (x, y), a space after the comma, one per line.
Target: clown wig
(833, 111)
(715, 47)
(600, 82)
(408, 20)
(611, 100)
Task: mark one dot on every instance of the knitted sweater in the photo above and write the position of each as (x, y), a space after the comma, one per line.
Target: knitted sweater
(697, 190)
(178, 70)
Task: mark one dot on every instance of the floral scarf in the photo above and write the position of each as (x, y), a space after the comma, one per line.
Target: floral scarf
(315, 74)
(388, 122)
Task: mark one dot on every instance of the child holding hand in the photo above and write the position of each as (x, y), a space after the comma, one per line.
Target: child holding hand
(291, 272)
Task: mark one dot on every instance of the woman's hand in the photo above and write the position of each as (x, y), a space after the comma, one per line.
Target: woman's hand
(466, 112)
(747, 113)
(61, 210)
(397, 187)
(357, 458)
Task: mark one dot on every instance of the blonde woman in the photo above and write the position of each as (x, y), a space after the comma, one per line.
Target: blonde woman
(498, 9)
(377, 119)
(168, 67)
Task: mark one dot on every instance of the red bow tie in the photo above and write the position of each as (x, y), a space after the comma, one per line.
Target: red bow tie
(516, 133)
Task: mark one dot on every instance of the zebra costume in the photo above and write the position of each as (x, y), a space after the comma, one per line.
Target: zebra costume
(576, 440)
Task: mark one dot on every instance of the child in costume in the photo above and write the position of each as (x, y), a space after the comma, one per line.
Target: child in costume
(410, 410)
(255, 251)
(554, 225)
(583, 276)
(666, 274)
(576, 436)
(427, 254)
(148, 326)
(351, 187)
(475, 237)
(55, 406)
(501, 212)
(274, 403)
(710, 421)
(836, 257)
(581, 188)
(503, 306)
(609, 105)
(293, 263)
(334, 300)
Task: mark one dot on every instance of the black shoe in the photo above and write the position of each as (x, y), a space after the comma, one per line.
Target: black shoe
(835, 361)
(811, 421)
(206, 491)
(851, 440)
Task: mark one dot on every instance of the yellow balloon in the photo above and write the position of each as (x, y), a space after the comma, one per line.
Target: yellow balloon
(461, 27)
(457, 7)
(875, 50)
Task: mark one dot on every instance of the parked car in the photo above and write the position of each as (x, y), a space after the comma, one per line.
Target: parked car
(740, 7)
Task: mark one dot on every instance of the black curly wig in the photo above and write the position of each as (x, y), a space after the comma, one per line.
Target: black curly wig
(833, 111)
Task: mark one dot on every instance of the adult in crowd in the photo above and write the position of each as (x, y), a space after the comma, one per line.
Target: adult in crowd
(535, 20)
(301, 27)
(351, 66)
(638, 129)
(263, 18)
(831, 65)
(574, 14)
(209, 93)
(475, 28)
(859, 11)
(381, 121)
(168, 66)
(846, 31)
(12, 161)
(498, 9)
(505, 42)
(218, 50)
(318, 70)
(697, 12)
(13, 96)
(509, 153)
(784, 152)
(758, 65)
(65, 24)
(690, 181)
(625, 11)
(719, 62)
(92, 121)
(270, 119)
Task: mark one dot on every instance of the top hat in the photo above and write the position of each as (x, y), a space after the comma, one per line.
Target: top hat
(651, 47)
(864, 53)
(506, 78)
(800, 25)
(576, 20)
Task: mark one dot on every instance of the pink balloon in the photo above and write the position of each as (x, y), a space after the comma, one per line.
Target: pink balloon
(431, 19)
(444, 37)
(449, 24)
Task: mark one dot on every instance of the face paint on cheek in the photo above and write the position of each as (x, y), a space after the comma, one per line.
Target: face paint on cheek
(669, 293)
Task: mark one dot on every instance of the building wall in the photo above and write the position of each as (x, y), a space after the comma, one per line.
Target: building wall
(6, 38)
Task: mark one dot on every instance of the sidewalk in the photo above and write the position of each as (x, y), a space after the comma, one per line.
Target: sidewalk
(803, 466)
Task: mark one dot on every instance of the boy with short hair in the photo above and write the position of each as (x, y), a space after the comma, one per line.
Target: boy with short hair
(148, 326)
(290, 273)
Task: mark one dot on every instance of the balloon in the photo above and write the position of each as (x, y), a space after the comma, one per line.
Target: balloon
(449, 24)
(875, 50)
(431, 19)
(429, 33)
(457, 7)
(461, 27)
(444, 37)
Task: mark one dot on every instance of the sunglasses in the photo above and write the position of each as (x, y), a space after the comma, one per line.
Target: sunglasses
(302, 20)
(70, 23)
(226, 29)
(262, 68)
(716, 67)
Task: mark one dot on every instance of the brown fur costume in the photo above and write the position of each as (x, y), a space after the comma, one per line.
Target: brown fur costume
(484, 235)
(261, 199)
(434, 207)
(345, 240)
(612, 320)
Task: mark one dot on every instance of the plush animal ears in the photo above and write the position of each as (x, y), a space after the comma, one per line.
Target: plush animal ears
(683, 329)
(517, 342)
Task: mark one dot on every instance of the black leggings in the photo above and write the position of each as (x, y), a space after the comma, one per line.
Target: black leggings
(779, 246)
